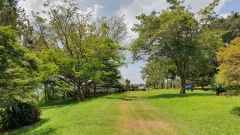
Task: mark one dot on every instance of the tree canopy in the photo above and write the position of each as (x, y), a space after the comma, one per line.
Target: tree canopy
(81, 49)
(175, 34)
(229, 71)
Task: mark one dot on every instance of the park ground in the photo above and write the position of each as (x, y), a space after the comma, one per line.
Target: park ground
(164, 112)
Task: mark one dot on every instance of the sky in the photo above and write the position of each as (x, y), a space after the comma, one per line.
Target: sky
(131, 9)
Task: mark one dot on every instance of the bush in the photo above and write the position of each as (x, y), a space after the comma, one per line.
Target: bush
(219, 88)
(18, 115)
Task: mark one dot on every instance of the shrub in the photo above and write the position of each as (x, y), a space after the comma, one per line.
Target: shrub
(219, 88)
(18, 115)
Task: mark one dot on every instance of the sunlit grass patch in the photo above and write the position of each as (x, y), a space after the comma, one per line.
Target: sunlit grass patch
(198, 113)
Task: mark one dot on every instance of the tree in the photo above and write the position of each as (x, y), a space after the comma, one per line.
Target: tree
(230, 24)
(229, 71)
(171, 34)
(174, 34)
(9, 13)
(15, 17)
(18, 67)
(18, 80)
(76, 46)
(111, 75)
(202, 70)
(127, 84)
(155, 72)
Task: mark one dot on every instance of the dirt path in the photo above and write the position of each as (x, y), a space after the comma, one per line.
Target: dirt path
(138, 117)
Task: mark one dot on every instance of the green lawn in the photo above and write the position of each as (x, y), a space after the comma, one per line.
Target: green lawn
(142, 112)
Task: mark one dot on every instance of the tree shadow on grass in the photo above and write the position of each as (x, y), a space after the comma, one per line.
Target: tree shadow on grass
(32, 128)
(181, 95)
(64, 102)
(115, 96)
(236, 111)
(130, 98)
(58, 103)
(122, 96)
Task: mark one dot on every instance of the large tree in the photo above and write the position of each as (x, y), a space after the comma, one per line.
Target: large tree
(78, 47)
(175, 34)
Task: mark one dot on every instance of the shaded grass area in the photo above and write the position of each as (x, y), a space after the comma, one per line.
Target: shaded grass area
(198, 113)
(181, 96)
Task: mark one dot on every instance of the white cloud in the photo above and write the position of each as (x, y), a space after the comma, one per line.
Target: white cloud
(31, 5)
(132, 72)
(37, 6)
(146, 6)
(225, 15)
(138, 7)
(96, 9)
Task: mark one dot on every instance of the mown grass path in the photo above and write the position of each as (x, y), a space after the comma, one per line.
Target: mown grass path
(139, 117)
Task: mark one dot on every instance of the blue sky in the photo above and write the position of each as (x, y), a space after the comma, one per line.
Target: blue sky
(230, 6)
(132, 8)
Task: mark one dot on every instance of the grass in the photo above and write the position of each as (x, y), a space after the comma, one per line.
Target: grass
(141, 112)
(200, 112)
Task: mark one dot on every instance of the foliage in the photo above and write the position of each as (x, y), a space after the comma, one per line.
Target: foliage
(155, 72)
(176, 34)
(19, 114)
(229, 74)
(230, 24)
(15, 17)
(127, 85)
(111, 75)
(18, 67)
(18, 79)
(9, 13)
(219, 88)
(78, 49)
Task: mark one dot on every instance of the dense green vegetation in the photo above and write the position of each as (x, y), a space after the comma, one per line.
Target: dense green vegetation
(198, 112)
(177, 36)
(56, 56)
(62, 53)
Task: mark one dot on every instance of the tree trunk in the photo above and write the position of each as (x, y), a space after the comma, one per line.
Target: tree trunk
(162, 84)
(95, 89)
(167, 82)
(182, 70)
(53, 92)
(80, 94)
(183, 86)
(202, 86)
(45, 92)
(48, 94)
(192, 83)
(86, 88)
